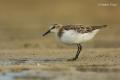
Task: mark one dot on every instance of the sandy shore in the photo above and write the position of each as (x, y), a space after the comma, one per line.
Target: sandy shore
(51, 64)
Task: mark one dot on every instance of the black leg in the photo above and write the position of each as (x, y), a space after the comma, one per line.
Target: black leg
(77, 54)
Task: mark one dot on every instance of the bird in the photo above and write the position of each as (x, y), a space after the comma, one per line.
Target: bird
(74, 34)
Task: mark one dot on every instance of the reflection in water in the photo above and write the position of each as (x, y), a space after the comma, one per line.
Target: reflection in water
(51, 75)
(11, 75)
(54, 70)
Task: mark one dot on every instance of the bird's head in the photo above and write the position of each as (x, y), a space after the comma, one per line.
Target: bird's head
(53, 28)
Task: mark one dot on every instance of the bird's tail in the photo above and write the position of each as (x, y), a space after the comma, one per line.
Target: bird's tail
(99, 27)
(103, 26)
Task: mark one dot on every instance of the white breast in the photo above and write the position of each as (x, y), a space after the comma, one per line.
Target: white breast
(73, 37)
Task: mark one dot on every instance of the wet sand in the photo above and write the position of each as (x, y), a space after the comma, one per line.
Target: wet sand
(51, 64)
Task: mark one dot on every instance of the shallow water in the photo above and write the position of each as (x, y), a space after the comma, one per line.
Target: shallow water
(97, 64)
(62, 75)
(24, 69)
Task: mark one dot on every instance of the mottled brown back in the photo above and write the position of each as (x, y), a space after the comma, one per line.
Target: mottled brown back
(83, 28)
(79, 28)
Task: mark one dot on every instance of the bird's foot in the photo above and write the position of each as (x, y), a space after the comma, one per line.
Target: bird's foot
(73, 59)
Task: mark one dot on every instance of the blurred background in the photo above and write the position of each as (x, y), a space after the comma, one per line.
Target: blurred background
(22, 22)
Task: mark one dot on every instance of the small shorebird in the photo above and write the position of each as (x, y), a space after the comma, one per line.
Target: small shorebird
(74, 34)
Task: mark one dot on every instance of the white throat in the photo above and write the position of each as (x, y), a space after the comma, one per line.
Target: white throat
(54, 30)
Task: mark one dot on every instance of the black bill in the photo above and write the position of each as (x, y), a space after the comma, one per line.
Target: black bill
(46, 33)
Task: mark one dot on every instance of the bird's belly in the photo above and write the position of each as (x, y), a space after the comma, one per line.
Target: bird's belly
(74, 38)
(69, 39)
(85, 37)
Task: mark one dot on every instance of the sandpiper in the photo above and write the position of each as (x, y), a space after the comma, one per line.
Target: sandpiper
(74, 34)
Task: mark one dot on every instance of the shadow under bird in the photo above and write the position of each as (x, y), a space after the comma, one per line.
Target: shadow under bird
(74, 34)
